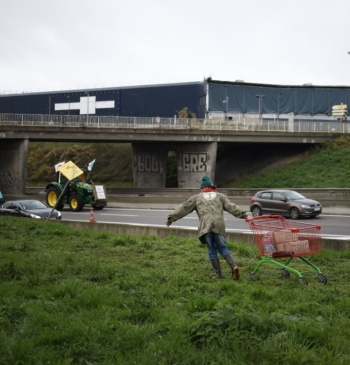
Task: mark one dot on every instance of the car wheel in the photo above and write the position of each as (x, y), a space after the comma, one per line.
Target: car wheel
(52, 196)
(256, 211)
(294, 213)
(76, 203)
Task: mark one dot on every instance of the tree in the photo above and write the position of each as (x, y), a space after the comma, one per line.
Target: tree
(186, 113)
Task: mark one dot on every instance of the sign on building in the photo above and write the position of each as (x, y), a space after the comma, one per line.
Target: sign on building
(340, 111)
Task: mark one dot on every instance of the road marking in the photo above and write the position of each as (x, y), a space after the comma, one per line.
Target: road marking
(335, 237)
(121, 215)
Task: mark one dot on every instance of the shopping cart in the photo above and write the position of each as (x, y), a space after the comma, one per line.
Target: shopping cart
(279, 241)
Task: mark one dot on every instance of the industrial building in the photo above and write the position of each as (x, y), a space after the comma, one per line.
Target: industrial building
(206, 100)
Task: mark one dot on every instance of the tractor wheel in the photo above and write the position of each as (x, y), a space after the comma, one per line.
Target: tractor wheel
(52, 196)
(76, 203)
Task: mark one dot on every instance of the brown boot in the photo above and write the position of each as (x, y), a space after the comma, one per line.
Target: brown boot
(235, 273)
(217, 268)
(234, 267)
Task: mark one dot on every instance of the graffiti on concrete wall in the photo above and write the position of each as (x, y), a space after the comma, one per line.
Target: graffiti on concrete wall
(8, 182)
(147, 162)
(195, 162)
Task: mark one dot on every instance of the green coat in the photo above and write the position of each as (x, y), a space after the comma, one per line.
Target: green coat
(210, 209)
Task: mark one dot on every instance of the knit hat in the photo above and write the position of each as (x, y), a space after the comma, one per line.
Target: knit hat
(206, 182)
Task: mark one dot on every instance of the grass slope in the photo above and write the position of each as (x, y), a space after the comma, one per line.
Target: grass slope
(83, 297)
(325, 167)
(113, 162)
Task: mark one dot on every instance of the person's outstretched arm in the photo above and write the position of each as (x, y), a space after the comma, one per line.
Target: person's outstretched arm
(182, 210)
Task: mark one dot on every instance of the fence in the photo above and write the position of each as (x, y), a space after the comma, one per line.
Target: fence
(235, 123)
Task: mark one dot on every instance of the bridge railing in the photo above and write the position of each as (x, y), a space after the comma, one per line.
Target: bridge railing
(240, 124)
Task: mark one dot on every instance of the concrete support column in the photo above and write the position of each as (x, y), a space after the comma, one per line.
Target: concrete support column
(149, 164)
(194, 160)
(13, 166)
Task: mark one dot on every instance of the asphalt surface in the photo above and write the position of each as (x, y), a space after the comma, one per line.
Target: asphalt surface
(171, 202)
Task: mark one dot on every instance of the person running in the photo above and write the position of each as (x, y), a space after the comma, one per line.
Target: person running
(210, 205)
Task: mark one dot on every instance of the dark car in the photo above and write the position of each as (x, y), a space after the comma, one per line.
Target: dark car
(15, 213)
(285, 203)
(2, 199)
(30, 208)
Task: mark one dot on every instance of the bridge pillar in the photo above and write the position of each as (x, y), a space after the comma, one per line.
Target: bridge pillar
(194, 160)
(149, 164)
(13, 166)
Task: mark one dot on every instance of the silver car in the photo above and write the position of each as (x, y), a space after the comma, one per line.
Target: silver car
(285, 203)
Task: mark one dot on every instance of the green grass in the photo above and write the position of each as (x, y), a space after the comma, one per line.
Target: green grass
(72, 296)
(325, 167)
(113, 161)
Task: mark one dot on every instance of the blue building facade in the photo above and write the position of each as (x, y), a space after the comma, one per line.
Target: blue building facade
(138, 101)
(239, 97)
(206, 99)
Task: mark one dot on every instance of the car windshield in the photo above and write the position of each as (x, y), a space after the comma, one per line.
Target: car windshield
(293, 195)
(32, 204)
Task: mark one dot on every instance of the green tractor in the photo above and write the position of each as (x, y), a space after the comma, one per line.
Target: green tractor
(76, 192)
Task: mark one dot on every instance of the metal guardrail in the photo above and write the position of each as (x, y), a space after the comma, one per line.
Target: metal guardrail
(238, 123)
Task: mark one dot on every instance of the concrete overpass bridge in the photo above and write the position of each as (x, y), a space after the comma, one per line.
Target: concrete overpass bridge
(195, 141)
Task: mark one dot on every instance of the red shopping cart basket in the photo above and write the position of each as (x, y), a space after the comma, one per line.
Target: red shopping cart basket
(277, 238)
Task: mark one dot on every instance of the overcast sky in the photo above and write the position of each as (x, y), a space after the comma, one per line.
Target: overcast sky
(73, 44)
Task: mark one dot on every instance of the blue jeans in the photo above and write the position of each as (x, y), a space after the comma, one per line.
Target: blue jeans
(216, 244)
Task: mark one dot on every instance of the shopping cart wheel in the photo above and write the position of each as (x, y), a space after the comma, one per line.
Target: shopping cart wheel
(285, 273)
(253, 275)
(322, 279)
(303, 281)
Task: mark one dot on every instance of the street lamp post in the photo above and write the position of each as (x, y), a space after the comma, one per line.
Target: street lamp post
(280, 92)
(260, 97)
(226, 102)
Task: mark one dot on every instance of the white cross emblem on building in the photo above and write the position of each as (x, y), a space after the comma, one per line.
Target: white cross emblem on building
(86, 105)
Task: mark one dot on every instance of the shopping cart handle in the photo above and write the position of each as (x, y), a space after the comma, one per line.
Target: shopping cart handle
(273, 216)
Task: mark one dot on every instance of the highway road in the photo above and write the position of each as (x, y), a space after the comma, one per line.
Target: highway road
(333, 226)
